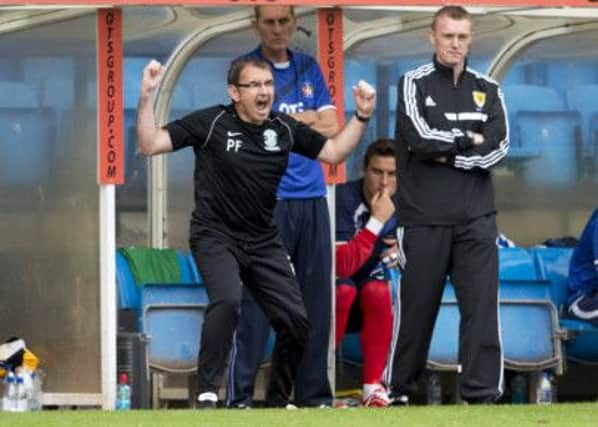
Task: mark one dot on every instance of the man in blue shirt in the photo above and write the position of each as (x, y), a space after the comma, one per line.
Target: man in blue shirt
(301, 216)
(583, 274)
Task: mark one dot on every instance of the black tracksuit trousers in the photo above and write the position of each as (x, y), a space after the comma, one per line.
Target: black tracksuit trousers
(266, 271)
(469, 256)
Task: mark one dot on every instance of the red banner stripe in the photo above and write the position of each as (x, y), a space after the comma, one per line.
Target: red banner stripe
(110, 97)
(330, 57)
(528, 3)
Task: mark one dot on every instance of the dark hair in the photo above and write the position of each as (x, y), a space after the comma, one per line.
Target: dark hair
(453, 12)
(256, 11)
(239, 64)
(384, 147)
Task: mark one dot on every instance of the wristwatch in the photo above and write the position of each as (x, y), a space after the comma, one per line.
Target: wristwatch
(361, 118)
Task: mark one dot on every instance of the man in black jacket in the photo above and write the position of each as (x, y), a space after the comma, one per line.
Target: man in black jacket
(451, 129)
(241, 152)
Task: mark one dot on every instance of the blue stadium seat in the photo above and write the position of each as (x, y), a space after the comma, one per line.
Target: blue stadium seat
(172, 315)
(196, 276)
(553, 265)
(582, 98)
(27, 138)
(555, 136)
(544, 133)
(128, 292)
(569, 72)
(528, 319)
(213, 70)
(528, 98)
(528, 332)
(133, 194)
(582, 343)
(581, 337)
(516, 264)
(180, 163)
(58, 93)
(514, 76)
(187, 273)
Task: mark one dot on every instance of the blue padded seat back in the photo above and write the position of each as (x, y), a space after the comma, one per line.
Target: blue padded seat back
(527, 326)
(583, 98)
(128, 293)
(17, 95)
(553, 264)
(27, 135)
(58, 93)
(173, 316)
(212, 69)
(516, 264)
(521, 98)
(186, 273)
(551, 137)
(194, 270)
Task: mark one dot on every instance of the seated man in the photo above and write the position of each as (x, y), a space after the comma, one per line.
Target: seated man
(365, 233)
(583, 274)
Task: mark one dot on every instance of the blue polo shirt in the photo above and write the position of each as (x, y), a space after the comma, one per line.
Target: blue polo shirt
(583, 269)
(299, 86)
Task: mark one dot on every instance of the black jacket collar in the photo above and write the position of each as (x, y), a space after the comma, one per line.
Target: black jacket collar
(448, 71)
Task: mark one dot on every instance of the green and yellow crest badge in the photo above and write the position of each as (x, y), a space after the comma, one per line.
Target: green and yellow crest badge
(479, 98)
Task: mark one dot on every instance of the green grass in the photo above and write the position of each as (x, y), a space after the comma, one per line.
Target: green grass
(566, 415)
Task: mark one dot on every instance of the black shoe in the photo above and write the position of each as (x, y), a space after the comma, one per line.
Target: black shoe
(240, 406)
(320, 405)
(399, 399)
(485, 400)
(281, 405)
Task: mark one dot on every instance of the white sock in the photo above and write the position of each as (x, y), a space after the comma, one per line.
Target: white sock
(213, 397)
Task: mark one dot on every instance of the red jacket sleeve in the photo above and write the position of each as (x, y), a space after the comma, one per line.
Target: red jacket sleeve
(350, 256)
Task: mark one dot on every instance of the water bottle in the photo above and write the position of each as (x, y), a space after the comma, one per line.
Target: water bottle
(434, 390)
(35, 397)
(9, 402)
(391, 274)
(123, 393)
(518, 389)
(21, 397)
(544, 390)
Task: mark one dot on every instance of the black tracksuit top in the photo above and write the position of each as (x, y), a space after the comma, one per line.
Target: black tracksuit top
(238, 166)
(433, 115)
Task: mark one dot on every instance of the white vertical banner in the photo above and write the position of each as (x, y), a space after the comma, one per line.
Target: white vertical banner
(108, 294)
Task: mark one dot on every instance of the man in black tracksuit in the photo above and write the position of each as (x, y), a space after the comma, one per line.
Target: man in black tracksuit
(451, 129)
(241, 151)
